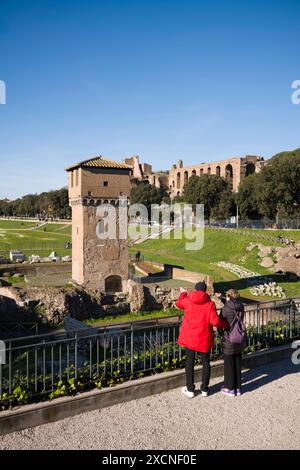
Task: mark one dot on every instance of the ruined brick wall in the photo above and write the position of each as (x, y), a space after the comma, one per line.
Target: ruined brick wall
(143, 171)
(234, 170)
(134, 162)
(191, 276)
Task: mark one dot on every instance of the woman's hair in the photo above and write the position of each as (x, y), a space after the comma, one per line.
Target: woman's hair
(233, 294)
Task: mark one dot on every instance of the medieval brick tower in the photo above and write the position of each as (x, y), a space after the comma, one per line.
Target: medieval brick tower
(100, 264)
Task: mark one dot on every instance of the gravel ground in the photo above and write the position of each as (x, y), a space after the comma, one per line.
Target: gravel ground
(266, 416)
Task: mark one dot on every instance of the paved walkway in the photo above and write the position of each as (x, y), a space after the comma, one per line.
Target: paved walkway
(266, 416)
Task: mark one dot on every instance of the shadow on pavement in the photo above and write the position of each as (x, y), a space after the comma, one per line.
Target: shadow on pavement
(257, 377)
(263, 375)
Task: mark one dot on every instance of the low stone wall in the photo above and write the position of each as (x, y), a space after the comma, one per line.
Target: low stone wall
(191, 276)
(37, 268)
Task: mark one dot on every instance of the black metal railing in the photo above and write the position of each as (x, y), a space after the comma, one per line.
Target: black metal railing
(122, 350)
(7, 328)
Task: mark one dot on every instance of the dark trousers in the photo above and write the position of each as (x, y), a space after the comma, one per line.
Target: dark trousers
(189, 370)
(232, 371)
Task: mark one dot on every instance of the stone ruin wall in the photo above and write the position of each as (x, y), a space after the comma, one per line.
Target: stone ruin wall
(232, 169)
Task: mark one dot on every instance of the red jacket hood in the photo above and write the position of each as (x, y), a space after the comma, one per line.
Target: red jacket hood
(199, 297)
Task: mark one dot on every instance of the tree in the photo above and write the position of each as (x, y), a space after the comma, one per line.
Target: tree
(226, 207)
(279, 190)
(147, 194)
(34, 204)
(247, 197)
(208, 190)
(275, 191)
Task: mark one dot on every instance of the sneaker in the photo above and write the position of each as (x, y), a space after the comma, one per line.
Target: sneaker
(238, 392)
(226, 391)
(187, 393)
(204, 394)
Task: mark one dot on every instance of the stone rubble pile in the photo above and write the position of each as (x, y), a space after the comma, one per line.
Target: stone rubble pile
(279, 259)
(254, 280)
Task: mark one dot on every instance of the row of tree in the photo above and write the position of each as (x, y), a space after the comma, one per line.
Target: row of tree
(47, 204)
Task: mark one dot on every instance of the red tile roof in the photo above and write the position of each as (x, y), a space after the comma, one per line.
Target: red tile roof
(99, 162)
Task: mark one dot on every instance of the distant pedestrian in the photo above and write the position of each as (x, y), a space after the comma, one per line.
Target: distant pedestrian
(233, 342)
(138, 256)
(197, 334)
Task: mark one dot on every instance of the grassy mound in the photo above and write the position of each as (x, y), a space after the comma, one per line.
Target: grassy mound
(220, 246)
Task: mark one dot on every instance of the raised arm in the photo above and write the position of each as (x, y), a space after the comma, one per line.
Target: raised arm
(215, 320)
(181, 301)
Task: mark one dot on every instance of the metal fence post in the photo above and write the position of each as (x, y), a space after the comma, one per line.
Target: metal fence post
(44, 365)
(258, 322)
(9, 368)
(75, 352)
(131, 349)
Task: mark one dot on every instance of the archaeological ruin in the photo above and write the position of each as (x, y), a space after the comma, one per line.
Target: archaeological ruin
(234, 170)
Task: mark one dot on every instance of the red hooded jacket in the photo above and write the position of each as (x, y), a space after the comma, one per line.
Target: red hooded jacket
(200, 316)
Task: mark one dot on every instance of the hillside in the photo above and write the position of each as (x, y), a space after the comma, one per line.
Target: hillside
(220, 246)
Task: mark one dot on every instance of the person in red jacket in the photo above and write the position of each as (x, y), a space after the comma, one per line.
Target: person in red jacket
(197, 334)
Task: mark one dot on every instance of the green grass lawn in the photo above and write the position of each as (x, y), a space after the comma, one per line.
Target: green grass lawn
(129, 317)
(16, 224)
(292, 234)
(219, 246)
(14, 236)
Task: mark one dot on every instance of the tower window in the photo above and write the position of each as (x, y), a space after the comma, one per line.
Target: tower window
(105, 183)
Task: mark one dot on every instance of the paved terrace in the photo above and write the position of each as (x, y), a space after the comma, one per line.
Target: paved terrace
(266, 416)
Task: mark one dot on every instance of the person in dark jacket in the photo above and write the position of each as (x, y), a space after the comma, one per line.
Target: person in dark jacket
(232, 351)
(196, 333)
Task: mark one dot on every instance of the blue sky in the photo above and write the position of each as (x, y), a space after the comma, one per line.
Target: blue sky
(165, 79)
